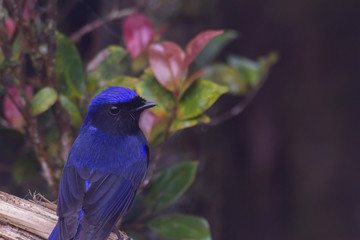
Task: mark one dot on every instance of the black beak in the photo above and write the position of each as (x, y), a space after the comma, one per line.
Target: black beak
(145, 106)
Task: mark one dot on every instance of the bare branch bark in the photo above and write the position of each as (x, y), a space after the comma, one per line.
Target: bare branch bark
(75, 37)
(28, 220)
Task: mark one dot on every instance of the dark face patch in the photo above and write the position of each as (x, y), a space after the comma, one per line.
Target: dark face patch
(118, 118)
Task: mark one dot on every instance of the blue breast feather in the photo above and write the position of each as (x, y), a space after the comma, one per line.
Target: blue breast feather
(95, 149)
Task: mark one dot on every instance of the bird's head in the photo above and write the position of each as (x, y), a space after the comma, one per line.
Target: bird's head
(116, 110)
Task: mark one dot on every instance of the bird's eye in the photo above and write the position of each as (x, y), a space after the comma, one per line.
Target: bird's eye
(114, 110)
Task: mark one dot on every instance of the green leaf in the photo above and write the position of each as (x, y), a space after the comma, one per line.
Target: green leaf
(72, 109)
(241, 74)
(16, 49)
(252, 72)
(266, 62)
(69, 68)
(43, 100)
(158, 131)
(179, 124)
(249, 70)
(123, 81)
(226, 75)
(150, 89)
(170, 183)
(181, 226)
(198, 98)
(214, 47)
(111, 64)
(139, 63)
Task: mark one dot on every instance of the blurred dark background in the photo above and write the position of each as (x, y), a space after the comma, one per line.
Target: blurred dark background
(287, 167)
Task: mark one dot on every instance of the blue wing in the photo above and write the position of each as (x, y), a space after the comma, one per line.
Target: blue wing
(107, 199)
(71, 197)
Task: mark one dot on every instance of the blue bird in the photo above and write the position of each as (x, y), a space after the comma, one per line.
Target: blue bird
(105, 167)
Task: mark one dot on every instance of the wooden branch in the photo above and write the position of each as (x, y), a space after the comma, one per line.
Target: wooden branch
(29, 220)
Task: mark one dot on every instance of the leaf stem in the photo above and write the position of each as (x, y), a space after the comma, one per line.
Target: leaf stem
(41, 155)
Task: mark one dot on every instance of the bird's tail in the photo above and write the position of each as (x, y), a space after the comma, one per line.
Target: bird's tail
(55, 233)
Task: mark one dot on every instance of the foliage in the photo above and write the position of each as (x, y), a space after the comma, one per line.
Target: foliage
(169, 184)
(49, 106)
(181, 227)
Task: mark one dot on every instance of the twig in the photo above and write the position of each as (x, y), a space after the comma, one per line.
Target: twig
(62, 118)
(238, 108)
(95, 62)
(41, 155)
(76, 36)
(38, 197)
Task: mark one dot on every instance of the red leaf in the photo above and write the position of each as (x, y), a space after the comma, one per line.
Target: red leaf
(147, 122)
(138, 33)
(9, 27)
(29, 5)
(11, 112)
(166, 60)
(195, 46)
(191, 80)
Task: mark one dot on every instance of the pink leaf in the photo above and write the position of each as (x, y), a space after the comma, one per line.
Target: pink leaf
(29, 5)
(147, 122)
(192, 79)
(138, 33)
(29, 92)
(11, 112)
(166, 60)
(9, 27)
(195, 46)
